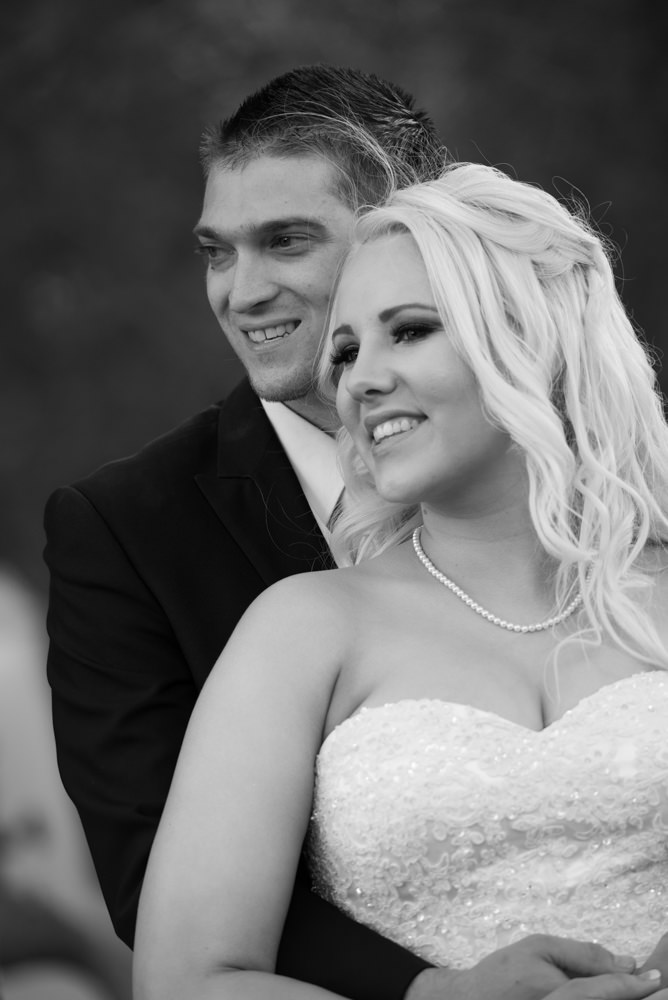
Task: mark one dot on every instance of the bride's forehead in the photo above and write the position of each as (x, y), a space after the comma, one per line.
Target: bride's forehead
(385, 268)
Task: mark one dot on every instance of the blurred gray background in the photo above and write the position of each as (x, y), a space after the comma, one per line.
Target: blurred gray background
(107, 338)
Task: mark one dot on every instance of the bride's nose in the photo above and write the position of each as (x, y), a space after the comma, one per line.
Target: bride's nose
(371, 374)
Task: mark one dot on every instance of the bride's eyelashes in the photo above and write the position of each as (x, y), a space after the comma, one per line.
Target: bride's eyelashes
(409, 332)
(405, 333)
(343, 355)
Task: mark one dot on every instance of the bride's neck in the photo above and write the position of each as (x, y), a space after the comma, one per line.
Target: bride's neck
(499, 546)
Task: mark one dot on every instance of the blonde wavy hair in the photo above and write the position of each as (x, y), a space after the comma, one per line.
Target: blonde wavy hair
(526, 290)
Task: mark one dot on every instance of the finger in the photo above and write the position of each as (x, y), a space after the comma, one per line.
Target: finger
(658, 955)
(613, 986)
(584, 958)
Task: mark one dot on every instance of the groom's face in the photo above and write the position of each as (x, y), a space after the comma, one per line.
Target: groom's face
(273, 233)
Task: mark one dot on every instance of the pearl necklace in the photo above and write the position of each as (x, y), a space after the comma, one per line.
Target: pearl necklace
(478, 608)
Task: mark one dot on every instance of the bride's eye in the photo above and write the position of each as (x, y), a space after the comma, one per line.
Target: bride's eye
(408, 332)
(343, 356)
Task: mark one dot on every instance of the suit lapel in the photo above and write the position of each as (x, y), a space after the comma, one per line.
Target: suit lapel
(257, 496)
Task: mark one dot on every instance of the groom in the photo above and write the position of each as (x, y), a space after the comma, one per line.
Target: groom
(154, 559)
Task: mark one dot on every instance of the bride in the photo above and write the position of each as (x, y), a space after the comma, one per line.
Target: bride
(481, 691)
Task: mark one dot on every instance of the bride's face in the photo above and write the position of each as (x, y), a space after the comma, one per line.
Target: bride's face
(410, 403)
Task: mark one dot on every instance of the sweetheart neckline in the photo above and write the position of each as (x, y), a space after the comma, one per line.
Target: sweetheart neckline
(474, 710)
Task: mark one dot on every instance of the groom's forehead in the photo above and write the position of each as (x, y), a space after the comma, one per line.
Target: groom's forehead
(269, 189)
(276, 181)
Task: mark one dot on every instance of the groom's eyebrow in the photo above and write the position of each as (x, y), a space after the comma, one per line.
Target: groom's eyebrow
(312, 225)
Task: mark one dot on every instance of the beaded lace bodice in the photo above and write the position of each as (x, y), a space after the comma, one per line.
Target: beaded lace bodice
(455, 832)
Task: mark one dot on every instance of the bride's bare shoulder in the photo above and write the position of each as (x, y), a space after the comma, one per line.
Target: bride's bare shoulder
(308, 602)
(314, 596)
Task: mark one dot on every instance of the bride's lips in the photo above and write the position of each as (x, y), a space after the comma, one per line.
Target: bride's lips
(391, 425)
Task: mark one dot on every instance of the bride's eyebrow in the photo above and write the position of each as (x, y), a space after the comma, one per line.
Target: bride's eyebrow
(388, 314)
(345, 330)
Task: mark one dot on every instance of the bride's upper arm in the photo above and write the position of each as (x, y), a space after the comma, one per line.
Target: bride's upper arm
(222, 867)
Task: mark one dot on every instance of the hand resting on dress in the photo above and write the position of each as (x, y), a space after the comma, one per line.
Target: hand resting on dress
(540, 967)
(613, 986)
(658, 959)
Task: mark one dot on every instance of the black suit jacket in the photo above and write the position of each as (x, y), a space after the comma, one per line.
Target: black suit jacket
(153, 560)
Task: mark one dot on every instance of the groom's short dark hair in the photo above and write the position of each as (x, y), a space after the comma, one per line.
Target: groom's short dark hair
(367, 127)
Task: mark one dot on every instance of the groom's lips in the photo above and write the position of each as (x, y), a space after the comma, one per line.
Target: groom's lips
(271, 331)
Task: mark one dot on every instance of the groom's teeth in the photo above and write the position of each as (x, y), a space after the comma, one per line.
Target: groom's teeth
(391, 427)
(272, 332)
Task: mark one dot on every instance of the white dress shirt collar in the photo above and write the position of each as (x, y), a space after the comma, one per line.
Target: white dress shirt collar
(312, 455)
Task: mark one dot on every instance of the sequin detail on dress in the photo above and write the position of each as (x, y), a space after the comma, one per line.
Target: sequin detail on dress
(455, 832)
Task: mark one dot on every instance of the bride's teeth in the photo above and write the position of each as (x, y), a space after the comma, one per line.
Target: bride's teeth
(391, 427)
(272, 332)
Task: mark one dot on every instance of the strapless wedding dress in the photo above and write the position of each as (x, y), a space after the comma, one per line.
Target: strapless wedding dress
(455, 832)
